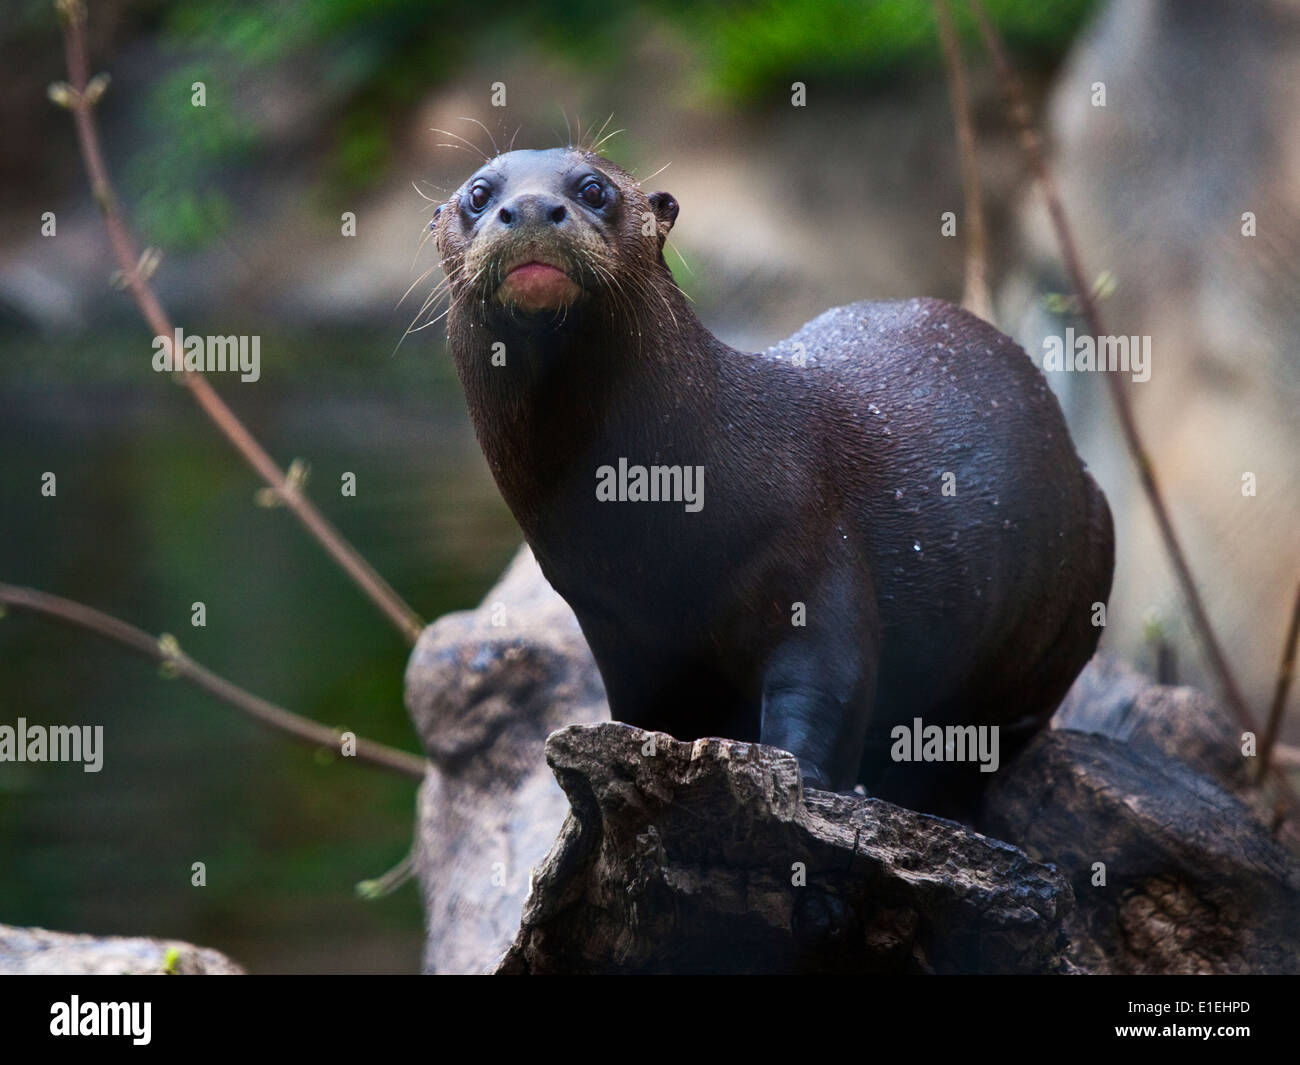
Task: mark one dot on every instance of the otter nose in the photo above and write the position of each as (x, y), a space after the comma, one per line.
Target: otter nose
(533, 208)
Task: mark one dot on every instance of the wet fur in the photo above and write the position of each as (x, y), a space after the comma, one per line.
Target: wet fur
(821, 482)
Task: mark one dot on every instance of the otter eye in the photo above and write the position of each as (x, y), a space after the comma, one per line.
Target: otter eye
(479, 195)
(592, 193)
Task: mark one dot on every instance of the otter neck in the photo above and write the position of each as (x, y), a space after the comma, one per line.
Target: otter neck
(587, 391)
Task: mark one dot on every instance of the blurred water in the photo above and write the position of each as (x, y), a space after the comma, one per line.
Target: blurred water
(153, 512)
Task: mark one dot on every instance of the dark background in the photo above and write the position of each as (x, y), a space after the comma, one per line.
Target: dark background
(315, 109)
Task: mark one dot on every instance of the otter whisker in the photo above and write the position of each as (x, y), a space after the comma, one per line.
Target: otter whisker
(668, 241)
(495, 149)
(420, 192)
(462, 148)
(465, 141)
(651, 177)
(425, 237)
(413, 284)
(603, 140)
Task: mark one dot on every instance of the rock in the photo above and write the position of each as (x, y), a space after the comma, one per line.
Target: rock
(1194, 883)
(37, 952)
(685, 860)
(485, 688)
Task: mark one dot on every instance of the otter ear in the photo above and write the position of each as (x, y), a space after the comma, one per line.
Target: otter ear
(665, 209)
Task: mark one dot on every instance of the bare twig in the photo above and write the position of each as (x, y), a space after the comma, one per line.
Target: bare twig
(1284, 674)
(387, 883)
(72, 15)
(975, 295)
(1032, 146)
(168, 652)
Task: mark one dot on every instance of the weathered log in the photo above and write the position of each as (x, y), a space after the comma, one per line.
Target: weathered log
(1158, 720)
(709, 857)
(1171, 873)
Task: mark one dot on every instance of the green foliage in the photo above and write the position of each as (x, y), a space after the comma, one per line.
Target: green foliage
(751, 47)
(170, 178)
(370, 61)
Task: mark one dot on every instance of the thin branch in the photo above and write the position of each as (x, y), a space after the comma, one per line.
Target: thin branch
(387, 883)
(975, 295)
(1032, 146)
(1284, 674)
(73, 18)
(1285, 756)
(168, 652)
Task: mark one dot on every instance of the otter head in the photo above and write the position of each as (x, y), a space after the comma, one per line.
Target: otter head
(536, 234)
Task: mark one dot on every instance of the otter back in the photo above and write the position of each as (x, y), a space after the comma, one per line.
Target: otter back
(880, 523)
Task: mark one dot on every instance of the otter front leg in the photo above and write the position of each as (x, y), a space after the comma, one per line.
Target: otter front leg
(818, 688)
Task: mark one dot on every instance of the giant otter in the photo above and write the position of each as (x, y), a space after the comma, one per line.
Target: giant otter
(880, 519)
